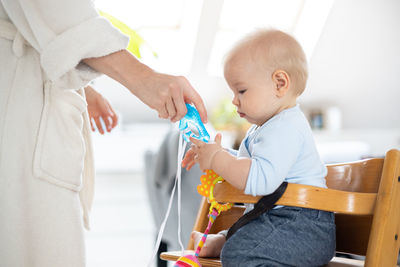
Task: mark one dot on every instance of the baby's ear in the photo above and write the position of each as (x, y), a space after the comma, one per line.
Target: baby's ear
(282, 81)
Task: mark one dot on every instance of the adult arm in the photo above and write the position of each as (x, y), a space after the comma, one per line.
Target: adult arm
(67, 33)
(166, 94)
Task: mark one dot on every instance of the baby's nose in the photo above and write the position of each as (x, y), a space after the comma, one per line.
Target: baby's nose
(235, 101)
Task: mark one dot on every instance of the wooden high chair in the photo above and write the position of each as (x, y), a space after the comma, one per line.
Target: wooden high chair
(365, 196)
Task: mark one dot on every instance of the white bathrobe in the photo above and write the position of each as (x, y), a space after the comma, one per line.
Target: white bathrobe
(46, 170)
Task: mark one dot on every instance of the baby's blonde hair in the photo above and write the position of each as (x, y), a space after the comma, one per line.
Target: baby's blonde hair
(274, 49)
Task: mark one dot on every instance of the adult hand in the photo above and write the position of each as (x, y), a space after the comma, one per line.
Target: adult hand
(100, 109)
(167, 94)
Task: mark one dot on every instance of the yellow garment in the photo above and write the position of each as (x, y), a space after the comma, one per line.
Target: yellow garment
(135, 40)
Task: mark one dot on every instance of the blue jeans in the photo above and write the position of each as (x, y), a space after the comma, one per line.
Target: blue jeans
(287, 236)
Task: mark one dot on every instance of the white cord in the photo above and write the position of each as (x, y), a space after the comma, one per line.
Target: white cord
(181, 150)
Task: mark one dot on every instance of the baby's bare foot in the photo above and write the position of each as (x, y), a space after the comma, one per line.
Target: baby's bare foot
(213, 245)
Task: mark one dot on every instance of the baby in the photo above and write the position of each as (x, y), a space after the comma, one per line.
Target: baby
(266, 72)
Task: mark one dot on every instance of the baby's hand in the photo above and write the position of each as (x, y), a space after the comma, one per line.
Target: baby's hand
(189, 161)
(205, 152)
(213, 245)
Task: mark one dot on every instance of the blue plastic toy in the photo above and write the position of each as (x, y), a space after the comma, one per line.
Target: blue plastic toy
(192, 126)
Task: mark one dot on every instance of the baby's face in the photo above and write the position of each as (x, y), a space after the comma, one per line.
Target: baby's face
(253, 89)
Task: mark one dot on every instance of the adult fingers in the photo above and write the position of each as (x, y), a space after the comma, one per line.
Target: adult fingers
(179, 102)
(114, 119)
(114, 116)
(107, 122)
(98, 125)
(162, 112)
(170, 106)
(91, 125)
(199, 104)
(191, 96)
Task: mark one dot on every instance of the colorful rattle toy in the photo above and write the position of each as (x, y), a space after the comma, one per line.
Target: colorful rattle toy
(206, 188)
(208, 181)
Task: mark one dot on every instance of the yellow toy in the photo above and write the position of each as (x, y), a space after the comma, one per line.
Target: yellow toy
(206, 188)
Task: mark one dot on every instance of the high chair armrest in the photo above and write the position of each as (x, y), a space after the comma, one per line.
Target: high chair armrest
(307, 196)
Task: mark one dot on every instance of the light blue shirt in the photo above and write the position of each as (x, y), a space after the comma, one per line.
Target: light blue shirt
(282, 149)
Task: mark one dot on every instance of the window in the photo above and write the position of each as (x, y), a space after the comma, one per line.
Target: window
(174, 28)
(168, 27)
(302, 18)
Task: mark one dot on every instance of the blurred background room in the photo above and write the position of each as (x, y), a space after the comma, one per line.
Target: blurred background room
(351, 100)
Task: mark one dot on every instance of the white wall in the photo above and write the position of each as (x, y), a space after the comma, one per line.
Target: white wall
(356, 63)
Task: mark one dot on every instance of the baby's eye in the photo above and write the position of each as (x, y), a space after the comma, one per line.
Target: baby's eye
(242, 91)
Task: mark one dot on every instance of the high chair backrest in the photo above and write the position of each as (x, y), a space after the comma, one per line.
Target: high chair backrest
(365, 196)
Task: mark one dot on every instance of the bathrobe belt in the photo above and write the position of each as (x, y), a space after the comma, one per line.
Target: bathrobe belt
(10, 32)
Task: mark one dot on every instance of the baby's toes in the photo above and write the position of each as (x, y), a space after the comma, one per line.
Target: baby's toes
(205, 252)
(196, 236)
